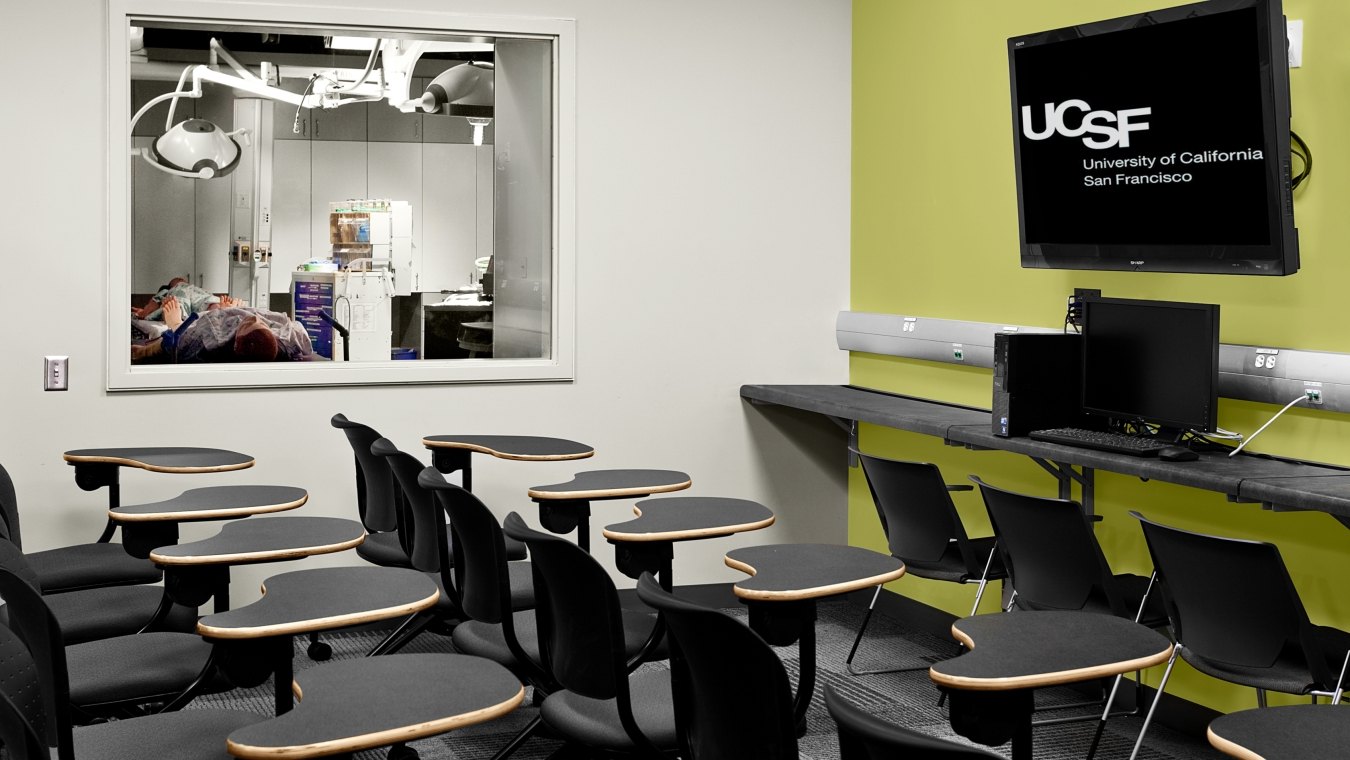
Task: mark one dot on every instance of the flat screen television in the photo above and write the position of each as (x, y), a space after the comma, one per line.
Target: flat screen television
(1157, 142)
(1154, 362)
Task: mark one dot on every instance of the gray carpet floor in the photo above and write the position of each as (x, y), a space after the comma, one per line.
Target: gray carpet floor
(909, 699)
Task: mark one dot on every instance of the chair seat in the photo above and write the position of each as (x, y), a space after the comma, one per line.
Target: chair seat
(183, 735)
(1287, 678)
(595, 722)
(102, 613)
(129, 668)
(82, 566)
(522, 589)
(486, 639)
(951, 566)
(385, 550)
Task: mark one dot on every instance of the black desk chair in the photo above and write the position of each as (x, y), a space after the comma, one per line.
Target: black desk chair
(1237, 616)
(102, 678)
(1055, 563)
(378, 499)
(600, 707)
(488, 587)
(924, 530)
(80, 566)
(431, 549)
(731, 694)
(36, 724)
(866, 737)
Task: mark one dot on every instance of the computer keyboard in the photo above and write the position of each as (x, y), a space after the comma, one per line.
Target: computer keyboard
(1119, 443)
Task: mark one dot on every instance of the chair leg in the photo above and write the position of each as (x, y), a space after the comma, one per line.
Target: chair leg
(1162, 686)
(1260, 697)
(190, 693)
(848, 661)
(984, 581)
(519, 739)
(402, 635)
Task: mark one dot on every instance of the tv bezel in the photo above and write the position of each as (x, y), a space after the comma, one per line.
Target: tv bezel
(1279, 257)
(1212, 310)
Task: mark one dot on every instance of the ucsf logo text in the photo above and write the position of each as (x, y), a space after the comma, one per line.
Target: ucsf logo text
(1113, 128)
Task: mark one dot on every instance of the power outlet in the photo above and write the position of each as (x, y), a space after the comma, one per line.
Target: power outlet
(55, 373)
(1075, 314)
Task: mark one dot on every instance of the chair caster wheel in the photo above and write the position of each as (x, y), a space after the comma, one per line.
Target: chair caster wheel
(402, 752)
(319, 651)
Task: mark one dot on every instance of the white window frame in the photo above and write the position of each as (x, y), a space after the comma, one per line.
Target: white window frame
(559, 366)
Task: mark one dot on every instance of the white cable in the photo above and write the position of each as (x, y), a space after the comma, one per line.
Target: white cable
(1227, 435)
(1240, 446)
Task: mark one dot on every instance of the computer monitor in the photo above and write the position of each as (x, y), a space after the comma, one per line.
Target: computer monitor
(1152, 361)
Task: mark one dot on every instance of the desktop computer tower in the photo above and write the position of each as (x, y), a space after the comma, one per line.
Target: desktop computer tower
(1038, 383)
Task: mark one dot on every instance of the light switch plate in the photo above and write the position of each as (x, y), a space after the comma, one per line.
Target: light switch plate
(55, 373)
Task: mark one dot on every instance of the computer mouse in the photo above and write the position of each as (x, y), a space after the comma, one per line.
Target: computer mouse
(1177, 454)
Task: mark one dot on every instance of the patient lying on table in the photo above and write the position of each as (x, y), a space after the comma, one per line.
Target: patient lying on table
(192, 300)
(224, 334)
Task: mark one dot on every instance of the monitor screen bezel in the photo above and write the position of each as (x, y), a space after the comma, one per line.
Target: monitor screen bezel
(1211, 421)
(1279, 257)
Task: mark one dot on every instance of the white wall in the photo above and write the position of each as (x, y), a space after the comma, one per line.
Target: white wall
(713, 239)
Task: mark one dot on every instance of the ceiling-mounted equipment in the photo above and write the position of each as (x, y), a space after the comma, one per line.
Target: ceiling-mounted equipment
(195, 148)
(199, 149)
(467, 90)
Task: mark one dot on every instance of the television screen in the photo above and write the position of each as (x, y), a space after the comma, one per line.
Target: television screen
(1156, 142)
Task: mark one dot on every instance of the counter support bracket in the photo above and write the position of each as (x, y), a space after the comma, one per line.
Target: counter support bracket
(1066, 476)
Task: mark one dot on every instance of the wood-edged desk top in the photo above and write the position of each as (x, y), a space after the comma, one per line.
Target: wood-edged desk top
(794, 572)
(358, 704)
(322, 599)
(521, 447)
(612, 484)
(1291, 732)
(214, 503)
(176, 459)
(266, 539)
(1028, 650)
(684, 518)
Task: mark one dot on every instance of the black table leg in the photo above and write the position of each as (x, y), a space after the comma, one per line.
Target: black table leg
(192, 586)
(789, 622)
(91, 476)
(447, 461)
(562, 516)
(994, 717)
(284, 673)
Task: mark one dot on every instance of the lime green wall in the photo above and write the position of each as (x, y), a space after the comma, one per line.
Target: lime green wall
(935, 234)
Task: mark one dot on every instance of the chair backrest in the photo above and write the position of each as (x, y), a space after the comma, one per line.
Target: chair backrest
(916, 510)
(377, 498)
(481, 573)
(577, 611)
(23, 717)
(32, 623)
(1232, 601)
(731, 693)
(866, 737)
(422, 534)
(1051, 553)
(9, 510)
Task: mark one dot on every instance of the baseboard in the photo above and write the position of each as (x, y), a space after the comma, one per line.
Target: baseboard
(1174, 712)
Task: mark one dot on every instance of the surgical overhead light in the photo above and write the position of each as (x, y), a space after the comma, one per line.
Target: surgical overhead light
(467, 90)
(195, 148)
